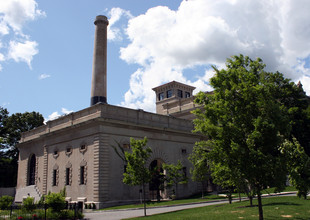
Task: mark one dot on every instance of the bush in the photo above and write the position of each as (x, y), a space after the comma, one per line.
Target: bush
(55, 201)
(63, 214)
(94, 206)
(6, 202)
(28, 204)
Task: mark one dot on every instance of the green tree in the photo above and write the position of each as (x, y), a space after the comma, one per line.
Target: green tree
(11, 128)
(174, 175)
(4, 114)
(247, 123)
(200, 171)
(17, 123)
(137, 171)
(298, 163)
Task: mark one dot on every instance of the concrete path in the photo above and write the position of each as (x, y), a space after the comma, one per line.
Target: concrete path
(130, 213)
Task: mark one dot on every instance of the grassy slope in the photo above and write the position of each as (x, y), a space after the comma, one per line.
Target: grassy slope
(194, 199)
(288, 207)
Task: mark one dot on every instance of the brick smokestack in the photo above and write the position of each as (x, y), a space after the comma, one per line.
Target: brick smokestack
(99, 75)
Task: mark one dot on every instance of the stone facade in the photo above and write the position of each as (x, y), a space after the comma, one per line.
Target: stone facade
(83, 140)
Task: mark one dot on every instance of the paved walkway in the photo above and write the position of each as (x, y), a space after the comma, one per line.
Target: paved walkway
(130, 213)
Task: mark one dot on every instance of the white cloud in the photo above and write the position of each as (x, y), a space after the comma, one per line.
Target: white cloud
(56, 114)
(43, 76)
(23, 51)
(165, 42)
(305, 79)
(116, 14)
(14, 14)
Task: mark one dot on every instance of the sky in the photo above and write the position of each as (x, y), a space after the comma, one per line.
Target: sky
(46, 47)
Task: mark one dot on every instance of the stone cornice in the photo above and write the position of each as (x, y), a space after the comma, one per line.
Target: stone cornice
(110, 114)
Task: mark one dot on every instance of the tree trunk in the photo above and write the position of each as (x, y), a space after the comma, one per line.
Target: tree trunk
(229, 198)
(251, 200)
(202, 189)
(143, 188)
(260, 206)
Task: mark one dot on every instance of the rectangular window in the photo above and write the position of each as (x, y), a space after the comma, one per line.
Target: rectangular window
(54, 177)
(161, 96)
(187, 95)
(169, 93)
(180, 93)
(67, 176)
(82, 175)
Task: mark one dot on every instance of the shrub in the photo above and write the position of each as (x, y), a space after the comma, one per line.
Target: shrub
(94, 206)
(6, 202)
(55, 201)
(28, 204)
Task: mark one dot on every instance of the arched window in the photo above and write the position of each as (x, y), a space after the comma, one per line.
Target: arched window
(32, 170)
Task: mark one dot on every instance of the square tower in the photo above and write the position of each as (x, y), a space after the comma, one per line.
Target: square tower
(174, 97)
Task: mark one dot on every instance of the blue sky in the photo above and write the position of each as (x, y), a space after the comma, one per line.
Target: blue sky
(46, 47)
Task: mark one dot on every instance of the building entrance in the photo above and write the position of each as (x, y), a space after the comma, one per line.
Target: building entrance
(156, 186)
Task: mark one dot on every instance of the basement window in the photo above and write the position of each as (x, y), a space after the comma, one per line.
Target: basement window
(126, 146)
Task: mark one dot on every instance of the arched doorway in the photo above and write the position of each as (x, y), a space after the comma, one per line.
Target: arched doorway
(156, 185)
(32, 170)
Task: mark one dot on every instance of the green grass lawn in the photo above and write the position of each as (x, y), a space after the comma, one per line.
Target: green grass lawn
(194, 199)
(286, 207)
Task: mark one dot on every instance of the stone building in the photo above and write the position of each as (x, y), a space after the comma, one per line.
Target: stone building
(74, 151)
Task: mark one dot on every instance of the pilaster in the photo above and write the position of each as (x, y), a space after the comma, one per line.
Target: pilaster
(101, 168)
(45, 170)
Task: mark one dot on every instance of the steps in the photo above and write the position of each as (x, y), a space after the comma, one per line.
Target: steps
(24, 192)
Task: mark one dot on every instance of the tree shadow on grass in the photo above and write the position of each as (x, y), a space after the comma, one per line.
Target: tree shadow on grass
(272, 204)
(281, 203)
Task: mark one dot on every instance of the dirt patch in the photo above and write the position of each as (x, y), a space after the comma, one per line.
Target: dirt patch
(247, 206)
(237, 211)
(286, 216)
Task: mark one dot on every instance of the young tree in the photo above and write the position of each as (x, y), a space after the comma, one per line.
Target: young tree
(247, 123)
(175, 175)
(201, 171)
(137, 171)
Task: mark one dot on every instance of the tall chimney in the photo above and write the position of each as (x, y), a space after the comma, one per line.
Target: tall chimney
(99, 75)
